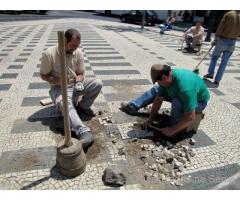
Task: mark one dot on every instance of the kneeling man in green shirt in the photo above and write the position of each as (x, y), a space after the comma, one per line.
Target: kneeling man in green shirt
(185, 90)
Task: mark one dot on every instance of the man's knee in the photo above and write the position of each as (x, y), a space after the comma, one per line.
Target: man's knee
(98, 84)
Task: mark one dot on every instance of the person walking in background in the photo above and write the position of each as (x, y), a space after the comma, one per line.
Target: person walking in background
(225, 40)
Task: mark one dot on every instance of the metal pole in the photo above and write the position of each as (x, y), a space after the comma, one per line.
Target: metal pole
(143, 19)
(63, 76)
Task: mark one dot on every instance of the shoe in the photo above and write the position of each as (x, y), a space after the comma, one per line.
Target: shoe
(88, 112)
(161, 32)
(216, 83)
(208, 76)
(86, 138)
(129, 108)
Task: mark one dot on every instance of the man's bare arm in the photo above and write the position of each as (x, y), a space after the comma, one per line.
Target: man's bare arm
(51, 79)
(157, 103)
(186, 120)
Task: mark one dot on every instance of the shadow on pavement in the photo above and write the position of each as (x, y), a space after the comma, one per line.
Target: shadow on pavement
(210, 84)
(54, 174)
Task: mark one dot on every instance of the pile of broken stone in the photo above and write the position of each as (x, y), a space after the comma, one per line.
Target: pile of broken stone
(166, 162)
(163, 161)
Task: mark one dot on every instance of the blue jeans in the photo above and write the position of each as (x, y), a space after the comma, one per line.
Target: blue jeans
(225, 47)
(165, 28)
(177, 109)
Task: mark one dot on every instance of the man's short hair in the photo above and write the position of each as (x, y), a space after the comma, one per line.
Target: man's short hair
(70, 33)
(158, 70)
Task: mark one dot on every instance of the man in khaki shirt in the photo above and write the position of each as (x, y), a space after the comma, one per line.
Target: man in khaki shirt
(89, 90)
(225, 39)
(193, 36)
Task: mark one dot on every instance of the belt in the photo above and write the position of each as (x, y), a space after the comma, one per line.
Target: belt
(227, 38)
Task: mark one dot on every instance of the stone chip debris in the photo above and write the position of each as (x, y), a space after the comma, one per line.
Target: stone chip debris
(166, 162)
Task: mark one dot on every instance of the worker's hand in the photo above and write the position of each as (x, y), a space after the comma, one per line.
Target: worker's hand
(80, 77)
(213, 43)
(71, 81)
(168, 132)
(146, 124)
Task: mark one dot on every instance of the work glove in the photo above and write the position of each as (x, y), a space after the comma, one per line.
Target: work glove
(79, 86)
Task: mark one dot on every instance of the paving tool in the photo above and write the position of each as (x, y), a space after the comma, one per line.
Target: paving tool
(196, 69)
(71, 159)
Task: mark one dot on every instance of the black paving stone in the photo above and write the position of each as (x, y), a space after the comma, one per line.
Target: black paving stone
(126, 82)
(28, 49)
(153, 53)
(15, 67)
(171, 64)
(238, 78)
(24, 54)
(120, 96)
(106, 58)
(161, 58)
(36, 74)
(28, 159)
(32, 101)
(92, 41)
(8, 75)
(217, 91)
(145, 49)
(21, 60)
(40, 85)
(4, 87)
(98, 48)
(102, 52)
(7, 49)
(232, 71)
(31, 45)
(3, 54)
(202, 139)
(88, 68)
(115, 72)
(100, 45)
(37, 125)
(12, 46)
(237, 105)
(111, 64)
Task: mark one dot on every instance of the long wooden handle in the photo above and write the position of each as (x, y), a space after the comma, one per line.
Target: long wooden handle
(63, 76)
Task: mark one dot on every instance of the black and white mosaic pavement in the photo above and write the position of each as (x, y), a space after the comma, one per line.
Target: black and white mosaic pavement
(30, 132)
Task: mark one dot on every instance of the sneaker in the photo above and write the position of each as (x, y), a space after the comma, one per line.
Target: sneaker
(129, 108)
(89, 112)
(216, 83)
(208, 76)
(86, 138)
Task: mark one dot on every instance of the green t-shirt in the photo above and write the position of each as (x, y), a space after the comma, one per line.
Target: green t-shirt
(188, 87)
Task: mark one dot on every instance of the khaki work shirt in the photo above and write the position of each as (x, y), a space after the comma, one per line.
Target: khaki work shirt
(197, 33)
(50, 63)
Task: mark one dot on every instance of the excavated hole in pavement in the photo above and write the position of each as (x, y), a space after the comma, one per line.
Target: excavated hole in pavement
(144, 165)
